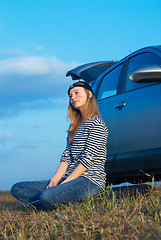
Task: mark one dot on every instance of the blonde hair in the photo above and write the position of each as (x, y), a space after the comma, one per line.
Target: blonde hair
(74, 115)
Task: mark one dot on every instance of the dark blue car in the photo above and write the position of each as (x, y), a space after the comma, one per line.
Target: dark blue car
(129, 98)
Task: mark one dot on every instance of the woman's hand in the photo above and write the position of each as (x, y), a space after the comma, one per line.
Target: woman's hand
(58, 175)
(52, 183)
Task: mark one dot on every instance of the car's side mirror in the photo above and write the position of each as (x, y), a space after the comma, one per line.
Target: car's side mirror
(146, 74)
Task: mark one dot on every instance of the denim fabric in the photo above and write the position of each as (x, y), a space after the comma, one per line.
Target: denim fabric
(35, 191)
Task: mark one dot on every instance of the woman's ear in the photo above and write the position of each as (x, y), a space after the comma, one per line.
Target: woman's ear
(90, 94)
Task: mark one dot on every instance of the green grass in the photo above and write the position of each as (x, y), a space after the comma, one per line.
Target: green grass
(126, 213)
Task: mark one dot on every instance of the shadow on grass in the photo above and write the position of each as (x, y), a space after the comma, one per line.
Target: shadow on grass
(132, 190)
(126, 191)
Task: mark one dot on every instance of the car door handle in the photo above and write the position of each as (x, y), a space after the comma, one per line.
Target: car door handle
(121, 105)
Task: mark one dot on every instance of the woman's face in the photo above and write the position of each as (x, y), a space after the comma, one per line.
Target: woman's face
(78, 97)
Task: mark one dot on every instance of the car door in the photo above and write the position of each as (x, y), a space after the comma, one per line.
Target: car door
(137, 124)
(106, 98)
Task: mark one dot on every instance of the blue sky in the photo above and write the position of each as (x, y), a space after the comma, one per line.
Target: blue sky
(39, 42)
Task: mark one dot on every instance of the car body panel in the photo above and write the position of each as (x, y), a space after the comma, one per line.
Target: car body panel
(145, 125)
(141, 147)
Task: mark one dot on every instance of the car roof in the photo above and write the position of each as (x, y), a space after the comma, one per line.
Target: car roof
(91, 71)
(141, 50)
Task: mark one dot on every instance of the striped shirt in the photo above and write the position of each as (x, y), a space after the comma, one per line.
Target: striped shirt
(89, 149)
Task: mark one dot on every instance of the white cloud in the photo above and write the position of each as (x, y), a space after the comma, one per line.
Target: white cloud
(37, 76)
(24, 65)
(44, 103)
(14, 51)
(37, 46)
(33, 82)
(27, 145)
(34, 65)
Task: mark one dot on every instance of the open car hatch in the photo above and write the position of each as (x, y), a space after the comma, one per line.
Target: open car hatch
(90, 71)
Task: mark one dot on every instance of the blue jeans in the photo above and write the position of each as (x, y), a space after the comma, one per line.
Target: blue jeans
(35, 192)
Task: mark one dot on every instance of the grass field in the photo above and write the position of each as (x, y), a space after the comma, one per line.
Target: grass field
(126, 213)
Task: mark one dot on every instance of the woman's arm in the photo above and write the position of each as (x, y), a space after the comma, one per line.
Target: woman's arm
(58, 175)
(80, 169)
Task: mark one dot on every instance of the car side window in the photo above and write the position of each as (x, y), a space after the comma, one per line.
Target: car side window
(140, 60)
(109, 83)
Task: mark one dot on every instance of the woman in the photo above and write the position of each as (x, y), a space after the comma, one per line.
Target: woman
(81, 169)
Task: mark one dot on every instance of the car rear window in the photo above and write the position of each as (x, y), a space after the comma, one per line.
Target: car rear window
(92, 73)
(109, 84)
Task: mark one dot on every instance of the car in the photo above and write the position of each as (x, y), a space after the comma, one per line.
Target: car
(128, 93)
